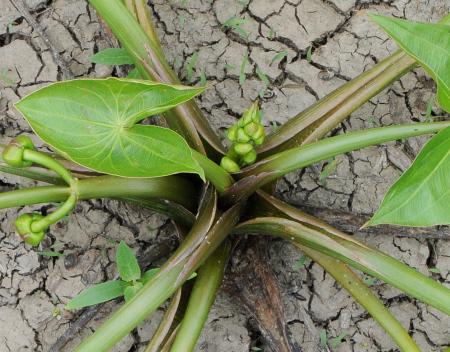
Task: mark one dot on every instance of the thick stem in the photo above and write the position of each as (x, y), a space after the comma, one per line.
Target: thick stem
(157, 290)
(313, 123)
(172, 188)
(357, 255)
(271, 168)
(207, 282)
(316, 121)
(220, 178)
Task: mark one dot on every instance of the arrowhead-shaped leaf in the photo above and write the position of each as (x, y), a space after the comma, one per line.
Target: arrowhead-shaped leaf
(421, 196)
(93, 122)
(429, 44)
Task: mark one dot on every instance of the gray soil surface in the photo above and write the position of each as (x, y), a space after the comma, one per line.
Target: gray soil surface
(55, 40)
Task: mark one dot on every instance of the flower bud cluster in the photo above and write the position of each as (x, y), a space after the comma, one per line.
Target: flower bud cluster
(245, 135)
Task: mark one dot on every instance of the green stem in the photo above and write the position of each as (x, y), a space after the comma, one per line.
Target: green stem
(207, 282)
(159, 289)
(316, 121)
(275, 166)
(364, 296)
(172, 188)
(50, 163)
(58, 214)
(313, 123)
(357, 255)
(213, 172)
(165, 327)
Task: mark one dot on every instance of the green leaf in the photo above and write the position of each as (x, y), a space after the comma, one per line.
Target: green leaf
(112, 56)
(429, 44)
(190, 66)
(422, 194)
(300, 263)
(336, 341)
(278, 57)
(202, 78)
(134, 73)
(262, 76)
(100, 293)
(329, 168)
(149, 274)
(242, 75)
(50, 254)
(93, 123)
(434, 270)
(127, 264)
(323, 338)
(130, 291)
(309, 54)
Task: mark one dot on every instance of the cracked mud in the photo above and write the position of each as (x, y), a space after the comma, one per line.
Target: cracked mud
(325, 43)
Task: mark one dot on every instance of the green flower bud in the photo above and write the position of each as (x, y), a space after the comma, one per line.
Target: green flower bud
(13, 152)
(242, 137)
(247, 117)
(249, 158)
(23, 228)
(251, 128)
(242, 148)
(259, 140)
(260, 132)
(256, 117)
(229, 164)
(232, 133)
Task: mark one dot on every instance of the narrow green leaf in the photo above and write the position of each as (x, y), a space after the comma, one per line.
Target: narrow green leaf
(300, 263)
(323, 338)
(278, 57)
(134, 74)
(236, 24)
(190, 66)
(309, 54)
(96, 294)
(130, 291)
(434, 270)
(149, 274)
(422, 194)
(242, 75)
(202, 78)
(429, 44)
(50, 254)
(127, 264)
(112, 56)
(429, 111)
(262, 76)
(336, 341)
(329, 168)
(93, 122)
